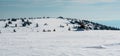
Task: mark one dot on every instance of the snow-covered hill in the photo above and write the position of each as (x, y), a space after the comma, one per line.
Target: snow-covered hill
(48, 24)
(57, 37)
(31, 25)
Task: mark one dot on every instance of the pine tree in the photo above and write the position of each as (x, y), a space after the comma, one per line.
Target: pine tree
(6, 25)
(69, 29)
(45, 24)
(22, 20)
(0, 31)
(43, 30)
(9, 22)
(14, 30)
(23, 25)
(43, 17)
(48, 17)
(66, 24)
(60, 17)
(15, 25)
(37, 25)
(54, 30)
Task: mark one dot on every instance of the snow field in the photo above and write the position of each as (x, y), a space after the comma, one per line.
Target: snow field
(83, 43)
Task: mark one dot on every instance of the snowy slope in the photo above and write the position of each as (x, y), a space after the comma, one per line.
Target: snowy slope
(50, 25)
(83, 43)
(43, 24)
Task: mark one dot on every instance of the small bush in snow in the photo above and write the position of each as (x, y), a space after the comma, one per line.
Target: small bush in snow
(13, 19)
(14, 30)
(44, 30)
(0, 31)
(9, 22)
(48, 30)
(6, 25)
(43, 17)
(60, 17)
(69, 29)
(26, 23)
(22, 20)
(45, 24)
(37, 25)
(48, 17)
(54, 30)
(15, 25)
(62, 26)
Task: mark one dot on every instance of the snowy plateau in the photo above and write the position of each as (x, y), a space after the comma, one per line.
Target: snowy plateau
(57, 37)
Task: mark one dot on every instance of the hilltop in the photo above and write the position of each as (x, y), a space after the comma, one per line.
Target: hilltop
(50, 24)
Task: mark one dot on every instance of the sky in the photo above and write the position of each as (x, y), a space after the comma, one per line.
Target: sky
(104, 11)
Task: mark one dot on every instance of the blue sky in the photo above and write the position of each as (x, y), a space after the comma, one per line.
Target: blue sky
(100, 10)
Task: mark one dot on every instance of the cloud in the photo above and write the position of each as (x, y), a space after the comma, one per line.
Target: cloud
(31, 3)
(48, 3)
(93, 1)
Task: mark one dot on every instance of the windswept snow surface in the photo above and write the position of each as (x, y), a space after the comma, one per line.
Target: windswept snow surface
(82, 43)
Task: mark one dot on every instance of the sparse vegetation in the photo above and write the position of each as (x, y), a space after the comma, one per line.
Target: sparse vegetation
(14, 30)
(72, 24)
(9, 22)
(37, 25)
(6, 25)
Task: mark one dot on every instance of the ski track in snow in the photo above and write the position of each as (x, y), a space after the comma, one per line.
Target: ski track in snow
(83, 43)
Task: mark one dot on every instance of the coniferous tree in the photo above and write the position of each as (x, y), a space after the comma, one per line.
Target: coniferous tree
(27, 23)
(43, 17)
(13, 19)
(0, 31)
(60, 17)
(48, 17)
(22, 20)
(67, 24)
(69, 29)
(45, 24)
(54, 30)
(9, 22)
(15, 25)
(14, 30)
(43, 30)
(6, 25)
(37, 25)
(8, 19)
